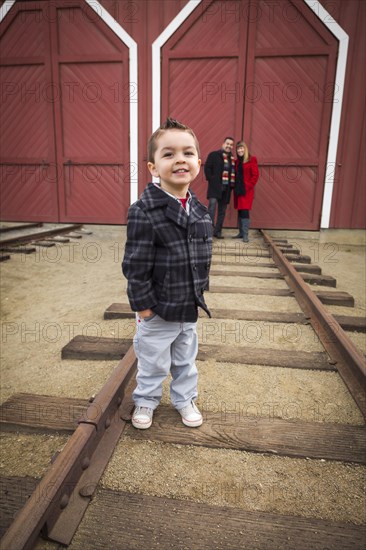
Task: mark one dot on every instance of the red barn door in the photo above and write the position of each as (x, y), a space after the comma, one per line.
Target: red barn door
(71, 122)
(27, 139)
(261, 71)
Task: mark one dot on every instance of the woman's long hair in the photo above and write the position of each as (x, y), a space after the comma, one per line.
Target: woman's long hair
(246, 150)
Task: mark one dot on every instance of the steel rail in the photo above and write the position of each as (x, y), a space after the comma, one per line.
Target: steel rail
(7, 228)
(349, 361)
(52, 494)
(39, 235)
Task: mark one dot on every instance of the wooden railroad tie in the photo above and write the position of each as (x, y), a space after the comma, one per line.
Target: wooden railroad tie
(242, 252)
(31, 413)
(136, 516)
(123, 311)
(4, 257)
(109, 349)
(351, 323)
(28, 413)
(306, 268)
(227, 430)
(44, 244)
(329, 297)
(31, 235)
(310, 278)
(19, 227)
(18, 249)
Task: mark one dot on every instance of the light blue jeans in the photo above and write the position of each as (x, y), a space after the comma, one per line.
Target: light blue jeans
(162, 347)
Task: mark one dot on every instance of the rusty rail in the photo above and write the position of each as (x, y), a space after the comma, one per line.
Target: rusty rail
(348, 360)
(38, 235)
(52, 495)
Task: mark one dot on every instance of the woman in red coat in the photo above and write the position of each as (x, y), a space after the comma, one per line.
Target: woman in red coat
(246, 176)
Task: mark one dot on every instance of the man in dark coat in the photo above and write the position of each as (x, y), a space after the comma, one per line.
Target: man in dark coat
(220, 173)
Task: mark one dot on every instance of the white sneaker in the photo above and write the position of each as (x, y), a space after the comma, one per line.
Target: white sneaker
(142, 418)
(191, 416)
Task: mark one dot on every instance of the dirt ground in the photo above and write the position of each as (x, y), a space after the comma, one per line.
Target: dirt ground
(52, 295)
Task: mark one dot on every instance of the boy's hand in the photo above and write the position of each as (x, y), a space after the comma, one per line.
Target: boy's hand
(145, 313)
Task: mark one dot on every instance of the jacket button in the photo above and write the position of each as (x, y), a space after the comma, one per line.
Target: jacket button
(194, 267)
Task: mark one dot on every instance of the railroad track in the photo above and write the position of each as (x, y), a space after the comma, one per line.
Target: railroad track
(24, 238)
(61, 497)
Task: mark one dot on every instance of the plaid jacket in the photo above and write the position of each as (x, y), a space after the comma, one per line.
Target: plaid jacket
(167, 256)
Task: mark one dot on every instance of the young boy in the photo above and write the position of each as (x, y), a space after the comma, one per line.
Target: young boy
(166, 262)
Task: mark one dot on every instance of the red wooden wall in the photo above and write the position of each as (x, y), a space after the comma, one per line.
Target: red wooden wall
(64, 131)
(252, 73)
(227, 70)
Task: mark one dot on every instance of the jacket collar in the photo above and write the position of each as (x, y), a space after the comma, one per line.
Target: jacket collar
(153, 197)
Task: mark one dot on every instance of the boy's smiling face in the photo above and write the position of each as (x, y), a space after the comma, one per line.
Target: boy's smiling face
(176, 161)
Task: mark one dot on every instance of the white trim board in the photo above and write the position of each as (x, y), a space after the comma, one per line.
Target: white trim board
(133, 78)
(342, 38)
(335, 122)
(4, 10)
(156, 66)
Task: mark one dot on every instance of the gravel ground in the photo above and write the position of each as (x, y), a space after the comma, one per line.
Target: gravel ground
(49, 297)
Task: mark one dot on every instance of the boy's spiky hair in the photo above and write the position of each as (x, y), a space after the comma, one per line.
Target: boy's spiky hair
(169, 124)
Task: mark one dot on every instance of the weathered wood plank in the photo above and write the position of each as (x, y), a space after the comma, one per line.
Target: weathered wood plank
(240, 431)
(245, 253)
(44, 244)
(289, 249)
(307, 268)
(74, 235)
(322, 280)
(123, 311)
(111, 348)
(336, 298)
(259, 252)
(284, 292)
(31, 413)
(239, 252)
(353, 324)
(254, 274)
(325, 296)
(302, 259)
(270, 316)
(266, 357)
(119, 311)
(100, 348)
(14, 492)
(58, 240)
(30, 235)
(311, 278)
(158, 523)
(19, 227)
(18, 249)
